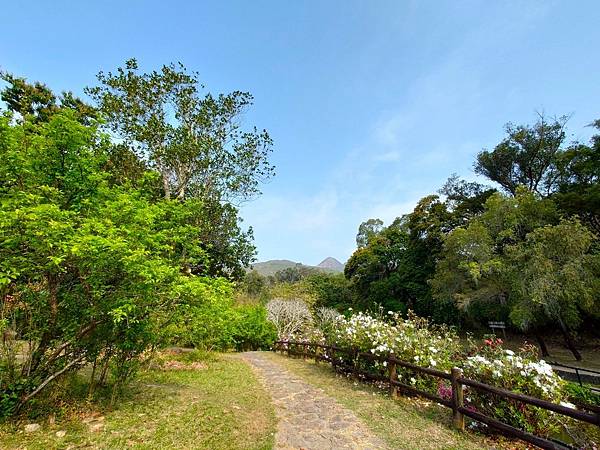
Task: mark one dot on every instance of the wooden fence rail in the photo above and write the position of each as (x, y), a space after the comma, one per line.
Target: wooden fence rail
(321, 352)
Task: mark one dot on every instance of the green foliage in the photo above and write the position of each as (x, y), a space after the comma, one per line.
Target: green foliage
(579, 185)
(393, 269)
(293, 274)
(195, 142)
(293, 291)
(472, 269)
(97, 265)
(528, 157)
(252, 329)
(220, 325)
(554, 276)
(253, 285)
(367, 231)
(581, 395)
(331, 290)
(37, 103)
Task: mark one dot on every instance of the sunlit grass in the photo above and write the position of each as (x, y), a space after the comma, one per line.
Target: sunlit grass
(221, 406)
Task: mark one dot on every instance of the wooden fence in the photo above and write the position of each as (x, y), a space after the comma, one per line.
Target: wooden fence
(321, 352)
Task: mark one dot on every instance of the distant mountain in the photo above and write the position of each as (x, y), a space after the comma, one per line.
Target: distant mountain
(267, 268)
(331, 264)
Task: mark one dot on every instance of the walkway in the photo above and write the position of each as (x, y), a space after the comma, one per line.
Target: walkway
(308, 418)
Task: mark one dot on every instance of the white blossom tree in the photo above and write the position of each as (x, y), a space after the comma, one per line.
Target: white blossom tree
(288, 316)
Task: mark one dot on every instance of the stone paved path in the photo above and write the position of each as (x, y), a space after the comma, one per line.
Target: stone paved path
(307, 417)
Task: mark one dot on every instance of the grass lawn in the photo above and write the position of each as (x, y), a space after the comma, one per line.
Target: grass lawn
(219, 405)
(406, 423)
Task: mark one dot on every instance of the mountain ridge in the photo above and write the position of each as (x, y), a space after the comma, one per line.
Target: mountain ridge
(331, 263)
(270, 267)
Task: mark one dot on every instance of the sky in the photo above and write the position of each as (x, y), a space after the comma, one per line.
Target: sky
(371, 104)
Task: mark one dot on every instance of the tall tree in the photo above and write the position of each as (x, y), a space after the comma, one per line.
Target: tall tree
(579, 185)
(194, 141)
(367, 231)
(38, 103)
(527, 156)
(555, 279)
(465, 199)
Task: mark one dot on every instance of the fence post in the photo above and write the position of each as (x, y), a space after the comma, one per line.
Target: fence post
(304, 351)
(317, 354)
(355, 364)
(458, 419)
(393, 377)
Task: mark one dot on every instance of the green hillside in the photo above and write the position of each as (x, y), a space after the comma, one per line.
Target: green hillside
(272, 266)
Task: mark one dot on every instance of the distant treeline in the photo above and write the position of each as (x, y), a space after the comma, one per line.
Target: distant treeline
(523, 251)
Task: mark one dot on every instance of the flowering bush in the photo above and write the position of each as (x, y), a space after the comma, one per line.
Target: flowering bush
(412, 340)
(520, 372)
(416, 341)
(290, 317)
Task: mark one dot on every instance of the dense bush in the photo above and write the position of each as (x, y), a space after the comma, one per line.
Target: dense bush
(89, 271)
(581, 395)
(220, 324)
(252, 330)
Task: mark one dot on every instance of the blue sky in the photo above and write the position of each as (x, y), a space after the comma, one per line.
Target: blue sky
(371, 104)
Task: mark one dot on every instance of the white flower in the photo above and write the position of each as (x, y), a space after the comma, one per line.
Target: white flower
(509, 352)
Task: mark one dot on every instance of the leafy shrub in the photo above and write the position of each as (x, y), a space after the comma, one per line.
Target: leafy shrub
(581, 395)
(219, 325)
(252, 330)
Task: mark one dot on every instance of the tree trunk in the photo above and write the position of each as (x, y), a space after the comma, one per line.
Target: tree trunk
(166, 187)
(46, 339)
(92, 379)
(55, 375)
(569, 341)
(105, 364)
(542, 344)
